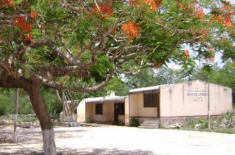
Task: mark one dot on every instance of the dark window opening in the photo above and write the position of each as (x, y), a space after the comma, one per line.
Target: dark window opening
(99, 109)
(151, 99)
(121, 109)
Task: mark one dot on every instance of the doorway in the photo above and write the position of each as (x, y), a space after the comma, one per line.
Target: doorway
(118, 110)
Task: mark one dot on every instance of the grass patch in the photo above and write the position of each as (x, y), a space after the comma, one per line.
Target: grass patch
(27, 119)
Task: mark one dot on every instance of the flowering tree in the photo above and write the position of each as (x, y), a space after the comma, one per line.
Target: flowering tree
(80, 45)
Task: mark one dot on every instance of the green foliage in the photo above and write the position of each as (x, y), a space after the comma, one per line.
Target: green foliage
(151, 77)
(27, 119)
(134, 122)
(223, 124)
(203, 123)
(6, 105)
(54, 106)
(8, 100)
(85, 47)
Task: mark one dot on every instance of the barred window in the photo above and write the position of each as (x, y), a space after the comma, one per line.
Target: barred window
(98, 109)
(151, 99)
(121, 109)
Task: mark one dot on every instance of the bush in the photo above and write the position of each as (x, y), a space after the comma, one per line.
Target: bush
(134, 122)
(6, 105)
(203, 123)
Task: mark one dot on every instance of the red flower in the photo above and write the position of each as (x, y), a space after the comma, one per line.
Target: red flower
(25, 27)
(205, 33)
(104, 10)
(6, 3)
(131, 29)
(154, 4)
(227, 23)
(200, 13)
(20, 21)
(29, 36)
(187, 54)
(34, 14)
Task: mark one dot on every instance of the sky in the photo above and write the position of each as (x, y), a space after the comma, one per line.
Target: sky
(232, 1)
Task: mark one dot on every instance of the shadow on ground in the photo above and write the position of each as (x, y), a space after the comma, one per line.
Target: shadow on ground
(91, 152)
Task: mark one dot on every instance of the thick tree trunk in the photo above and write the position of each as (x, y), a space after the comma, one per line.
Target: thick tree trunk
(32, 86)
(41, 111)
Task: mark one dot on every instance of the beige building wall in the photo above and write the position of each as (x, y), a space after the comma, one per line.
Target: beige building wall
(107, 116)
(86, 112)
(90, 109)
(81, 112)
(191, 99)
(127, 114)
(137, 108)
(220, 99)
(184, 99)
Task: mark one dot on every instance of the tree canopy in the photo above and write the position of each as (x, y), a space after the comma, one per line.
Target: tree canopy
(80, 45)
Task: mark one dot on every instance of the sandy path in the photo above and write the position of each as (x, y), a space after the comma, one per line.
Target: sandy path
(123, 140)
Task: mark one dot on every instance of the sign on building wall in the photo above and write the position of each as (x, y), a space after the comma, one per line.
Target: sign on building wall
(197, 96)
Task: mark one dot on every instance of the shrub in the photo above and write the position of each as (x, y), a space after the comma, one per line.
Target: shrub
(134, 122)
(203, 122)
(6, 104)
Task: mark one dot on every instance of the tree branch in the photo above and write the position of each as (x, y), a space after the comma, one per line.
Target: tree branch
(74, 88)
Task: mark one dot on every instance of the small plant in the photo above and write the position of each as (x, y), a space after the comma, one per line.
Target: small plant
(201, 121)
(89, 120)
(134, 122)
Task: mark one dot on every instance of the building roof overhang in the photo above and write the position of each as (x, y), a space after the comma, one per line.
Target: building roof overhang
(105, 99)
(145, 89)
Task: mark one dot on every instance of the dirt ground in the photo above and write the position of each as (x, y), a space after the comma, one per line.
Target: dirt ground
(116, 140)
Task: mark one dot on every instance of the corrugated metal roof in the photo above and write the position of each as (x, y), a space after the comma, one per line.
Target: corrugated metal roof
(145, 89)
(105, 99)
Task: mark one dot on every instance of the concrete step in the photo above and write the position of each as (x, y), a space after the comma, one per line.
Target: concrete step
(69, 124)
(148, 127)
(150, 123)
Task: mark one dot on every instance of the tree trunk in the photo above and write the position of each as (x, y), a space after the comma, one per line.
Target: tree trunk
(16, 114)
(42, 113)
(32, 86)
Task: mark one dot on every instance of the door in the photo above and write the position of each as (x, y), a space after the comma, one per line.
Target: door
(158, 104)
(118, 110)
(115, 113)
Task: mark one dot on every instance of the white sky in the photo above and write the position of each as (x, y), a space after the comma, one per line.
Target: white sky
(232, 1)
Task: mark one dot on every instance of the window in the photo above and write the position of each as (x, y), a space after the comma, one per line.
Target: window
(98, 109)
(151, 99)
(121, 110)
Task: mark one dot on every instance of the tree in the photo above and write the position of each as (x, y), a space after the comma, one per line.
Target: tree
(80, 45)
(150, 77)
(224, 75)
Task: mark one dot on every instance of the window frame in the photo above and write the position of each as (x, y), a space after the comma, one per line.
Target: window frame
(99, 109)
(121, 105)
(153, 97)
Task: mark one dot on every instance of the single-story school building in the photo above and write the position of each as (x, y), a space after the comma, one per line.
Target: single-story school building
(152, 105)
(108, 110)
